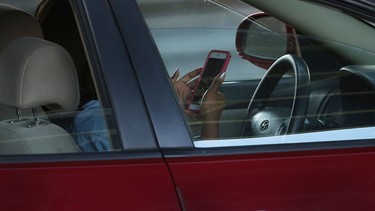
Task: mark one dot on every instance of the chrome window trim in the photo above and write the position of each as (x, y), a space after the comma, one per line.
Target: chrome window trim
(366, 133)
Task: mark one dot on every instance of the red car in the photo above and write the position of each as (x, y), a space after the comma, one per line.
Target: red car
(297, 131)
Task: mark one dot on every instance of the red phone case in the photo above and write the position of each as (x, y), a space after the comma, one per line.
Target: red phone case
(211, 55)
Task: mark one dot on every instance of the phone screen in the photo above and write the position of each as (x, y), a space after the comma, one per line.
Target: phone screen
(213, 67)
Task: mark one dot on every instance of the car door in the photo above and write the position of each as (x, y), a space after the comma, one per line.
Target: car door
(320, 169)
(132, 175)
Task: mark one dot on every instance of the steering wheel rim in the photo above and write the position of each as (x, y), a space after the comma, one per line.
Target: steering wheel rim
(267, 85)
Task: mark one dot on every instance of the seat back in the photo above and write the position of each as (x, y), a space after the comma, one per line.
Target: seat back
(35, 73)
(16, 23)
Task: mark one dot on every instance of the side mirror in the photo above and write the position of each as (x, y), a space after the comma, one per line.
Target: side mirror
(262, 39)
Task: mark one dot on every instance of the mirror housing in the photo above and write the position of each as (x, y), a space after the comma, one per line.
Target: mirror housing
(262, 39)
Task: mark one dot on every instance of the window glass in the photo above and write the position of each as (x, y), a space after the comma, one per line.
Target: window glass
(55, 108)
(332, 100)
(186, 30)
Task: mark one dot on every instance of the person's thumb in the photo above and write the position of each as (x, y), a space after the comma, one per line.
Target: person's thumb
(219, 79)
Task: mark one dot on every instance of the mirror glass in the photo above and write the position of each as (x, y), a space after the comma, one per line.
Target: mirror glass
(263, 37)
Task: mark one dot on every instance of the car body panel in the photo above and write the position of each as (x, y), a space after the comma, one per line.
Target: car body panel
(113, 185)
(311, 180)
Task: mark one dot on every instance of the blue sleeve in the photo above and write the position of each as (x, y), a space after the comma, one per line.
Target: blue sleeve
(90, 130)
(92, 142)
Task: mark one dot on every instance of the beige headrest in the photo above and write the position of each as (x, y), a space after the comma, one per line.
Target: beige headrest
(16, 23)
(35, 72)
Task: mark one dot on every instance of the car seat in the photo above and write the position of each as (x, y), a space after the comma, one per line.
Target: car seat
(36, 73)
(16, 23)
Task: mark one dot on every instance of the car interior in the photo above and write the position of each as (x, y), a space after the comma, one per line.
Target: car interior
(17, 23)
(51, 14)
(25, 127)
(318, 76)
(34, 106)
(337, 92)
(29, 82)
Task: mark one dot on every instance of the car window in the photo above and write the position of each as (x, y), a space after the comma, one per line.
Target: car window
(297, 81)
(49, 100)
(185, 31)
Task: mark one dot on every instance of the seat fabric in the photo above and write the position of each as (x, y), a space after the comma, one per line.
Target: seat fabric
(36, 73)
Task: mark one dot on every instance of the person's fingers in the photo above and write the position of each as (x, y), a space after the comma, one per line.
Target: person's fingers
(221, 95)
(191, 114)
(190, 75)
(191, 84)
(219, 79)
(175, 75)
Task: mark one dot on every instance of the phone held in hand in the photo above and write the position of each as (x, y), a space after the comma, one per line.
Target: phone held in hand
(216, 63)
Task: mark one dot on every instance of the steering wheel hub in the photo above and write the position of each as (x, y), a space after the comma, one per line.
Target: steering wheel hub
(261, 120)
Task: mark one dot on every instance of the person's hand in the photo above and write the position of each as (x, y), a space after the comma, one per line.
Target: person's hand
(212, 106)
(184, 87)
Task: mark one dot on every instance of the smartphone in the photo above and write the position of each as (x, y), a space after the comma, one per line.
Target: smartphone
(216, 62)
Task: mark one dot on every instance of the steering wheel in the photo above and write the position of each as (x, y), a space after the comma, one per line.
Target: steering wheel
(264, 121)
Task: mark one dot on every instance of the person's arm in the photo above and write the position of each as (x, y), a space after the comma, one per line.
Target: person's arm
(212, 105)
